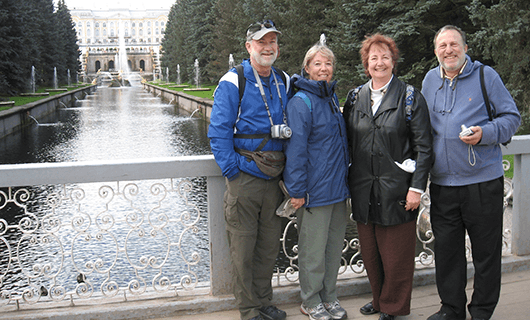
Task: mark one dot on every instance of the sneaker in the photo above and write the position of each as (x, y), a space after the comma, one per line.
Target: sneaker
(317, 313)
(336, 311)
(258, 317)
(272, 313)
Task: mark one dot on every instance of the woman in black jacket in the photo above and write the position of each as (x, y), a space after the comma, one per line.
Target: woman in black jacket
(390, 146)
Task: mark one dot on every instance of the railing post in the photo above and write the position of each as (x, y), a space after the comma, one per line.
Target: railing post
(521, 205)
(220, 266)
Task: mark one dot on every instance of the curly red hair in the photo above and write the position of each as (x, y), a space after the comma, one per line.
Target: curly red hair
(381, 40)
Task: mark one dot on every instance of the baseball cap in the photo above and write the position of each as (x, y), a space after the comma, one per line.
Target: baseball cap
(257, 30)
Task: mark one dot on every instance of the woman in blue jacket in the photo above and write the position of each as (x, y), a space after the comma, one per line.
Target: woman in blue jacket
(316, 178)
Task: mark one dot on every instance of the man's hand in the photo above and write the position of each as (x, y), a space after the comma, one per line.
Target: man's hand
(475, 137)
(297, 202)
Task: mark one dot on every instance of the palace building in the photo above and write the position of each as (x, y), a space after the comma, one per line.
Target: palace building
(102, 32)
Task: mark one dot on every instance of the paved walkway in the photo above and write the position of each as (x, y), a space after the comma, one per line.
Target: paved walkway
(513, 305)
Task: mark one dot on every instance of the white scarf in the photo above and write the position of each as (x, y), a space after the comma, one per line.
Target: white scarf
(377, 95)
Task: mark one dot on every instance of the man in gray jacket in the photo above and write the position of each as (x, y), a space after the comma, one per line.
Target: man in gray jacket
(467, 179)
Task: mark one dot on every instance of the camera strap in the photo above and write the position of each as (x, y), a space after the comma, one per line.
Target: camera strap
(262, 92)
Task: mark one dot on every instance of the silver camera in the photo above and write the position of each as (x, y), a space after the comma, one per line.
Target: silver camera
(281, 131)
(465, 131)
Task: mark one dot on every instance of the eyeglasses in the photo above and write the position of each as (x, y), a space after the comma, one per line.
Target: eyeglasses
(255, 27)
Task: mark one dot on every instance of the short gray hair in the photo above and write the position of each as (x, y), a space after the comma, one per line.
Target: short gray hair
(318, 48)
(450, 27)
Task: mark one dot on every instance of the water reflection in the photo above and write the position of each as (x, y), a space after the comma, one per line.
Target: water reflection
(113, 123)
(137, 235)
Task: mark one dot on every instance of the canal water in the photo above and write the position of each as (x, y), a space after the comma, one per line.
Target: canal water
(85, 235)
(110, 124)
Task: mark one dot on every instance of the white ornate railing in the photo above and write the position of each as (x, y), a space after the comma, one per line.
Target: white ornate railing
(352, 260)
(152, 228)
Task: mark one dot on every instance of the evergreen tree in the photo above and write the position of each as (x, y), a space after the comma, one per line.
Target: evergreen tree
(47, 37)
(502, 39)
(411, 23)
(301, 23)
(13, 77)
(228, 37)
(69, 53)
(175, 48)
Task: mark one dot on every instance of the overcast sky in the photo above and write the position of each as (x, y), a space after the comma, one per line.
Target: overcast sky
(113, 4)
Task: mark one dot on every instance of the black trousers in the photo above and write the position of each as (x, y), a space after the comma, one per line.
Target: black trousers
(477, 209)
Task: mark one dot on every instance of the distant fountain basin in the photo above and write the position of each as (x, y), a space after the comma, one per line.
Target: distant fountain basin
(198, 89)
(179, 86)
(7, 103)
(34, 94)
(56, 90)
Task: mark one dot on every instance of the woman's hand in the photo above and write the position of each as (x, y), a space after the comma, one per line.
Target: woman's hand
(297, 202)
(413, 200)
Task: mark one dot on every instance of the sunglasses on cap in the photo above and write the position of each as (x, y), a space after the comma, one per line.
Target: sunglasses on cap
(255, 27)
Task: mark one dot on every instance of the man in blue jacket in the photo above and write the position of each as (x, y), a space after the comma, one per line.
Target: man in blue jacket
(244, 132)
(467, 182)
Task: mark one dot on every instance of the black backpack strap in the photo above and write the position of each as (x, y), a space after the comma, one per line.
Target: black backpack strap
(241, 80)
(241, 83)
(485, 93)
(284, 79)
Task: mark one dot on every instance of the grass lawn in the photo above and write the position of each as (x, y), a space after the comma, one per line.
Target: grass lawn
(509, 173)
(20, 100)
(200, 94)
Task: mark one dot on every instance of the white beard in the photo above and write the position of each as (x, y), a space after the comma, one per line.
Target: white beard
(265, 61)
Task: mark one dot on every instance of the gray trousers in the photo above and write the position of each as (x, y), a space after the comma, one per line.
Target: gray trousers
(320, 243)
(254, 232)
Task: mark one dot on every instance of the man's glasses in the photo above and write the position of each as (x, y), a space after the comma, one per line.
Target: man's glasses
(255, 27)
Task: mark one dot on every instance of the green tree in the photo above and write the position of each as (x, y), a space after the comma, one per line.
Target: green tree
(13, 77)
(228, 36)
(411, 23)
(69, 50)
(46, 35)
(503, 40)
(187, 37)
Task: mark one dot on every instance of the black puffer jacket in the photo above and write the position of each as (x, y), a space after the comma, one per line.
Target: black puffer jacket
(375, 142)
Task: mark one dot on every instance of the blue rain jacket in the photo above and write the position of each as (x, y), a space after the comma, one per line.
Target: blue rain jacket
(317, 153)
(251, 118)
